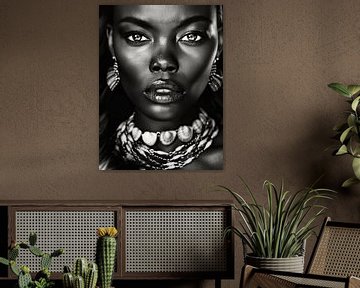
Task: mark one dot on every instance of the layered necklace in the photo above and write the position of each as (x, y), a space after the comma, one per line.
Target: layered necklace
(135, 146)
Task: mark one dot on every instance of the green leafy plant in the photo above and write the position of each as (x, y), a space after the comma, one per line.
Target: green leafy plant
(42, 278)
(279, 229)
(348, 132)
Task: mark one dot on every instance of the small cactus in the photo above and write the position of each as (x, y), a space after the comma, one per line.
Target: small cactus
(4, 261)
(106, 254)
(13, 253)
(68, 280)
(24, 277)
(24, 246)
(57, 252)
(32, 238)
(91, 275)
(45, 261)
(36, 251)
(79, 282)
(84, 274)
(43, 274)
(81, 265)
(14, 268)
(42, 278)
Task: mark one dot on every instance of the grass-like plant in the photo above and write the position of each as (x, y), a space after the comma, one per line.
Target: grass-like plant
(279, 229)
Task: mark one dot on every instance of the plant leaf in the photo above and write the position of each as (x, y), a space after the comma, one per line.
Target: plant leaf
(345, 134)
(349, 182)
(4, 261)
(355, 103)
(351, 120)
(354, 145)
(340, 88)
(356, 167)
(353, 89)
(342, 150)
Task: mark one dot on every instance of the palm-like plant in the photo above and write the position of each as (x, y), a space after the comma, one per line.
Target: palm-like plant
(278, 230)
(349, 131)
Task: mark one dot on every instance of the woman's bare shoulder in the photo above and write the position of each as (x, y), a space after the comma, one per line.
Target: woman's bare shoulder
(211, 159)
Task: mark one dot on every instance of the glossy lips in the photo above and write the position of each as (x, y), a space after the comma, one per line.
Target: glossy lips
(164, 92)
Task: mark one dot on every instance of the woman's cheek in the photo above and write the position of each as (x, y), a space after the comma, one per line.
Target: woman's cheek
(133, 68)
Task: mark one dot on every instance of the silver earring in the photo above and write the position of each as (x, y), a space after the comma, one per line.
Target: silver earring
(215, 78)
(112, 76)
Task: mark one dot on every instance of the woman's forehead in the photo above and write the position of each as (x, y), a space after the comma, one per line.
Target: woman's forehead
(163, 13)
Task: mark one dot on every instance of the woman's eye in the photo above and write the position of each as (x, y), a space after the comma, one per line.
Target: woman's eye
(191, 38)
(137, 38)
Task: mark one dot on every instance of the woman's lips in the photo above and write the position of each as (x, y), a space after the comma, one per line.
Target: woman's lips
(164, 92)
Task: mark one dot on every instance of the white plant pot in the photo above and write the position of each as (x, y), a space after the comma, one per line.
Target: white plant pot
(291, 264)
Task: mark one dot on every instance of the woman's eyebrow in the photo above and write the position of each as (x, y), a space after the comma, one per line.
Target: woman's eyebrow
(194, 19)
(146, 24)
(135, 21)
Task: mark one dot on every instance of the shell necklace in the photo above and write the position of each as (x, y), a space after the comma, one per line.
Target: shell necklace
(133, 145)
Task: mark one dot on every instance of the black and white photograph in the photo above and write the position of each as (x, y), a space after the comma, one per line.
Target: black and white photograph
(161, 87)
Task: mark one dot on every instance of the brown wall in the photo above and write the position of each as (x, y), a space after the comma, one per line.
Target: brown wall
(279, 57)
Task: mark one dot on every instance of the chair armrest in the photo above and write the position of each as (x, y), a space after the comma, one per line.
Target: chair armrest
(253, 278)
(354, 282)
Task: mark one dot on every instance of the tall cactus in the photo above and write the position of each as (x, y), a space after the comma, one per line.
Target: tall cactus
(106, 254)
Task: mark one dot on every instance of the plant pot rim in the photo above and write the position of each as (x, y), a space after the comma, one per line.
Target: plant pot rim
(251, 255)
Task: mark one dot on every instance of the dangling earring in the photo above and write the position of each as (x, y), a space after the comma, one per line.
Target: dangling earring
(215, 78)
(112, 76)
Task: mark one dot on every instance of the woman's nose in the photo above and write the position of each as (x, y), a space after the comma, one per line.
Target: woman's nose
(164, 60)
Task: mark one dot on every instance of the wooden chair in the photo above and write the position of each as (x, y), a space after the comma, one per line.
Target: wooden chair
(335, 262)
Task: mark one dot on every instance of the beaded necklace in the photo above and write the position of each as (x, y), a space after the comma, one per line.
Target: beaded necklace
(134, 146)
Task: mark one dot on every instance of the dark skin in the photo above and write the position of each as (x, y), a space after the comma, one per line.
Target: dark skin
(167, 43)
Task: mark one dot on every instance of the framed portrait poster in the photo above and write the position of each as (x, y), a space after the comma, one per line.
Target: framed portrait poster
(161, 87)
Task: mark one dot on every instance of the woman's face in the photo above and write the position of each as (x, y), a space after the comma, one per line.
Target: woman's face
(165, 54)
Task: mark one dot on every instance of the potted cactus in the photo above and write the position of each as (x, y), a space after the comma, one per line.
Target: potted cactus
(84, 275)
(42, 278)
(106, 254)
(348, 132)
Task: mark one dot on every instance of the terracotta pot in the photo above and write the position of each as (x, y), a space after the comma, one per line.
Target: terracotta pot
(291, 264)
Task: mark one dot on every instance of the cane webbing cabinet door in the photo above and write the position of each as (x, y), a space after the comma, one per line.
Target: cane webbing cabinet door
(171, 240)
(175, 241)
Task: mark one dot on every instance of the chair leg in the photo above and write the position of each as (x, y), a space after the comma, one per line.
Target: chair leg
(217, 283)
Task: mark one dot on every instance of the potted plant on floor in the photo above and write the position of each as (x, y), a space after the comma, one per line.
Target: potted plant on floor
(275, 234)
(348, 132)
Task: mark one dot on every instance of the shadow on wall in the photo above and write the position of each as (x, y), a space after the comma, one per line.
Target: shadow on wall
(334, 170)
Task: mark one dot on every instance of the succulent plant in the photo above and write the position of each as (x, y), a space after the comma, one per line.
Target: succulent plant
(79, 282)
(106, 254)
(42, 278)
(91, 276)
(85, 274)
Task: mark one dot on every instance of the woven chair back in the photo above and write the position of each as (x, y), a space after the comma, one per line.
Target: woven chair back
(337, 252)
